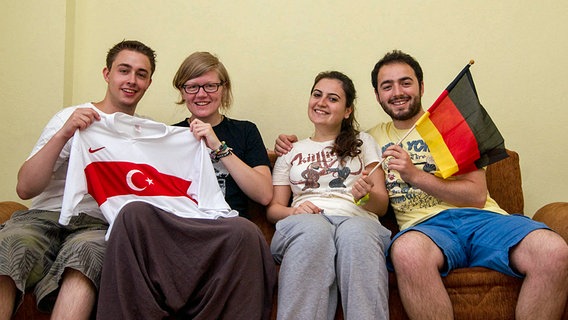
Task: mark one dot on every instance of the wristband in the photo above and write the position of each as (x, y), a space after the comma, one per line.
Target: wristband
(363, 201)
(220, 152)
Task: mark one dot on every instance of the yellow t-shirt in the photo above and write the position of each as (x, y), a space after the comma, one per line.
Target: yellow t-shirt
(412, 205)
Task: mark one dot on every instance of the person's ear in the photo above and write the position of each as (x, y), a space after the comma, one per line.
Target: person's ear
(348, 112)
(106, 72)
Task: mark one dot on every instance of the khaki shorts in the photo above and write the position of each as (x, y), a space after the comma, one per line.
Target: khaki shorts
(35, 250)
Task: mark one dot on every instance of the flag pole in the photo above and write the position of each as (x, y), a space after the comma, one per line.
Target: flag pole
(365, 198)
(399, 142)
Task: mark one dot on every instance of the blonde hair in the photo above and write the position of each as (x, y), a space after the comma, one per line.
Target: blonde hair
(197, 64)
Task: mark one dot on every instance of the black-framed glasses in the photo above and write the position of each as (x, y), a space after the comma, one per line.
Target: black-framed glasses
(208, 87)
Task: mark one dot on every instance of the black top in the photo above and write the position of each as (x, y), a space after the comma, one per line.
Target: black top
(245, 139)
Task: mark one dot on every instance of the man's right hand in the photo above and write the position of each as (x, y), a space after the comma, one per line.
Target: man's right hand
(35, 173)
(283, 144)
(80, 119)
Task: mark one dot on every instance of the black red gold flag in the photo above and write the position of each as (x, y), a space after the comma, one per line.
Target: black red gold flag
(458, 130)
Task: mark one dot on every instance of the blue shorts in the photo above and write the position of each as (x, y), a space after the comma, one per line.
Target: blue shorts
(475, 238)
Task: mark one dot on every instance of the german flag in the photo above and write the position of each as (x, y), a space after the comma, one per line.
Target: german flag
(458, 131)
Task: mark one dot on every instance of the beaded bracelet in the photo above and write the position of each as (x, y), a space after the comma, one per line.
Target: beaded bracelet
(220, 152)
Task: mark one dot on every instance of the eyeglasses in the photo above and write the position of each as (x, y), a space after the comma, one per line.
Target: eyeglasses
(208, 87)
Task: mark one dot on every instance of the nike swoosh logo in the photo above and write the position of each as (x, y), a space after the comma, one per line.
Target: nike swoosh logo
(95, 150)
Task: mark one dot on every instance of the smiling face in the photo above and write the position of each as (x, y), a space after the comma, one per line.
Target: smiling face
(203, 105)
(327, 105)
(128, 79)
(399, 93)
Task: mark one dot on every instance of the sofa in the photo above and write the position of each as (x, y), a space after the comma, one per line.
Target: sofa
(476, 293)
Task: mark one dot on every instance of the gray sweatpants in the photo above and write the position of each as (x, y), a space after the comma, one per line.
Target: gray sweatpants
(320, 255)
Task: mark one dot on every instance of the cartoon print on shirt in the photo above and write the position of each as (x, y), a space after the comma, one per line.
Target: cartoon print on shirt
(221, 173)
(323, 166)
(312, 175)
(430, 165)
(343, 173)
(403, 193)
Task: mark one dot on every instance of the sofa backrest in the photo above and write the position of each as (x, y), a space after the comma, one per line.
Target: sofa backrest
(505, 184)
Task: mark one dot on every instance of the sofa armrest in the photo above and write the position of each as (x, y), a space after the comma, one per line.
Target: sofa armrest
(9, 207)
(554, 215)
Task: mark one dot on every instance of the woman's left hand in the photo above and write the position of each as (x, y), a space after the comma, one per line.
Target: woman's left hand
(204, 130)
(361, 187)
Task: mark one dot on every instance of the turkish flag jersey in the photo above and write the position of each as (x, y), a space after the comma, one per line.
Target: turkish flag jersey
(122, 158)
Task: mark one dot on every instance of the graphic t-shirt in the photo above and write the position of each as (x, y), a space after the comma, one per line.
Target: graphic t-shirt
(121, 158)
(412, 205)
(316, 175)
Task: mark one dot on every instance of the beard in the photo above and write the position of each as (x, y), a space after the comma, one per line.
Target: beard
(414, 107)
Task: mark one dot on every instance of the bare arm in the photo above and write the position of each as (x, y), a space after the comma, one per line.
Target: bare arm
(255, 182)
(278, 208)
(467, 190)
(35, 173)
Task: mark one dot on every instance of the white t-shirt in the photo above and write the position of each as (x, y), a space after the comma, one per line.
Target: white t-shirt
(121, 159)
(315, 175)
(52, 196)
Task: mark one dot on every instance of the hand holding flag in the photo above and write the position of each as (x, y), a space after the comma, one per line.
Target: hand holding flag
(458, 131)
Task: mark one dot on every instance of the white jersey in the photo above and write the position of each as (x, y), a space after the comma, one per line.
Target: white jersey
(121, 159)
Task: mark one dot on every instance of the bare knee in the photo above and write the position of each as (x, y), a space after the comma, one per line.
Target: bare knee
(74, 277)
(7, 286)
(415, 251)
(8, 296)
(540, 252)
